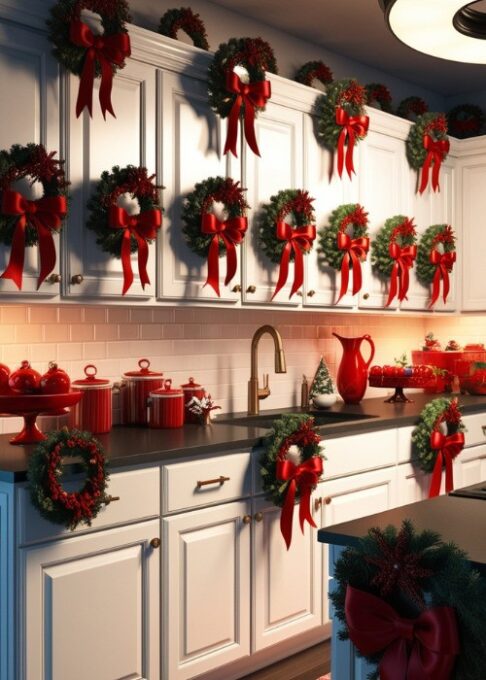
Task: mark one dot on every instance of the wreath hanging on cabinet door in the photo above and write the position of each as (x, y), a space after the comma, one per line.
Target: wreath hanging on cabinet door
(436, 256)
(412, 107)
(393, 253)
(314, 70)
(184, 19)
(465, 120)
(427, 146)
(379, 96)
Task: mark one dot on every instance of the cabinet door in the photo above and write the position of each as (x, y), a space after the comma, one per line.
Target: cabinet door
(96, 145)
(206, 581)
(90, 607)
(473, 205)
(412, 484)
(470, 467)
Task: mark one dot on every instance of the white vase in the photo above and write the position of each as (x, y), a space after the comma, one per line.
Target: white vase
(324, 400)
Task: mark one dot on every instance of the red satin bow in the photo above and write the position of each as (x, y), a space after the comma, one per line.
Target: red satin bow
(436, 152)
(353, 126)
(424, 648)
(404, 258)
(299, 239)
(447, 449)
(303, 477)
(232, 232)
(355, 251)
(106, 50)
(444, 263)
(251, 95)
(45, 215)
(143, 227)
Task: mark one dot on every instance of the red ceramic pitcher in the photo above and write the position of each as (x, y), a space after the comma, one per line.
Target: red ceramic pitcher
(353, 370)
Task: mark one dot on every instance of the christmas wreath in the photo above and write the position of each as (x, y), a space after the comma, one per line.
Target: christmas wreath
(291, 466)
(393, 252)
(466, 120)
(428, 146)
(25, 223)
(314, 70)
(412, 107)
(436, 256)
(184, 19)
(437, 440)
(282, 241)
(412, 605)
(231, 96)
(210, 237)
(45, 472)
(341, 120)
(342, 250)
(379, 96)
(119, 232)
(88, 53)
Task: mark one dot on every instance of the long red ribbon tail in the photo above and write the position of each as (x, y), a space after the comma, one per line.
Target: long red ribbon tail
(393, 284)
(404, 282)
(249, 127)
(449, 478)
(357, 276)
(425, 172)
(298, 270)
(305, 507)
(284, 268)
(126, 261)
(340, 151)
(143, 254)
(231, 259)
(349, 153)
(232, 133)
(86, 83)
(213, 265)
(15, 265)
(446, 285)
(436, 172)
(436, 476)
(287, 514)
(106, 86)
(47, 252)
(436, 286)
(344, 275)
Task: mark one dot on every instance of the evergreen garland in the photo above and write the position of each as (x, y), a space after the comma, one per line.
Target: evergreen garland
(437, 411)
(314, 70)
(433, 124)
(347, 94)
(465, 120)
(412, 107)
(398, 229)
(435, 234)
(184, 19)
(379, 96)
(346, 215)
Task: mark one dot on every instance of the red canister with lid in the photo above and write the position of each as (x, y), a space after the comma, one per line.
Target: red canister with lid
(166, 407)
(136, 388)
(191, 389)
(94, 411)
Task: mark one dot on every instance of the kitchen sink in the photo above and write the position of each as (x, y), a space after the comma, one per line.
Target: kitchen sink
(265, 420)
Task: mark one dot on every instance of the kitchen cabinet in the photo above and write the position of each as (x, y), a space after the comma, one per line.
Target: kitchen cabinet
(470, 466)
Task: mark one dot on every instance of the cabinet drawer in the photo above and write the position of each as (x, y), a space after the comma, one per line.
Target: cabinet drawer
(197, 482)
(139, 493)
(475, 429)
(405, 447)
(348, 455)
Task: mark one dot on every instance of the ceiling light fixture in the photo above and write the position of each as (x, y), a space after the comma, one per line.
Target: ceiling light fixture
(448, 29)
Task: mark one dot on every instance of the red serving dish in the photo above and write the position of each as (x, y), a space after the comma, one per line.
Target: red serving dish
(398, 383)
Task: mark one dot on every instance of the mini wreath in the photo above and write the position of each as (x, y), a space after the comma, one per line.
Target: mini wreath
(184, 19)
(118, 231)
(379, 96)
(341, 120)
(412, 107)
(437, 440)
(285, 481)
(91, 53)
(45, 472)
(466, 120)
(393, 253)
(314, 70)
(436, 256)
(344, 251)
(25, 223)
(209, 237)
(231, 96)
(282, 241)
(390, 584)
(427, 147)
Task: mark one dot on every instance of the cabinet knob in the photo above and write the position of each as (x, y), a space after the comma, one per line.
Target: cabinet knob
(366, 296)
(299, 293)
(327, 500)
(311, 293)
(251, 289)
(258, 516)
(246, 519)
(236, 289)
(76, 279)
(54, 278)
(317, 504)
(155, 543)
(110, 499)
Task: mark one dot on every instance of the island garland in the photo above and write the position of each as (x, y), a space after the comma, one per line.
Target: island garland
(393, 253)
(427, 146)
(184, 19)
(314, 70)
(379, 96)
(436, 256)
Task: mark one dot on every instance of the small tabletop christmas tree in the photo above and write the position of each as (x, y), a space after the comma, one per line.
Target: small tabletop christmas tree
(322, 383)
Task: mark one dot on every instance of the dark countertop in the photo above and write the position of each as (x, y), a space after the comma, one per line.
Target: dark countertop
(136, 445)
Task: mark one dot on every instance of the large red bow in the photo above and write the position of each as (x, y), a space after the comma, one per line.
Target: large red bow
(232, 231)
(106, 50)
(355, 251)
(404, 258)
(299, 239)
(447, 449)
(303, 477)
(424, 648)
(45, 215)
(143, 227)
(444, 263)
(436, 152)
(353, 126)
(251, 95)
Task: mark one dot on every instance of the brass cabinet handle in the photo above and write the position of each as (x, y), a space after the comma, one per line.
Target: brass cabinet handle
(258, 516)
(155, 543)
(311, 293)
(236, 289)
(484, 430)
(327, 500)
(366, 296)
(299, 293)
(110, 499)
(54, 278)
(246, 519)
(251, 289)
(219, 480)
(317, 503)
(76, 279)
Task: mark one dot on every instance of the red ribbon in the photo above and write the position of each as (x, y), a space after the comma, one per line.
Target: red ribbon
(447, 449)
(251, 95)
(423, 648)
(404, 258)
(106, 50)
(444, 263)
(299, 239)
(355, 251)
(301, 477)
(232, 232)
(143, 227)
(45, 215)
(353, 126)
(436, 152)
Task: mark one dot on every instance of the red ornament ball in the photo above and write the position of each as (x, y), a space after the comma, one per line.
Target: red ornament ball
(4, 376)
(55, 381)
(24, 380)
(376, 370)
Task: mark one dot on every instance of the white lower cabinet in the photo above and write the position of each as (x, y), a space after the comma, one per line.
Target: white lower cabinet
(470, 466)
(412, 484)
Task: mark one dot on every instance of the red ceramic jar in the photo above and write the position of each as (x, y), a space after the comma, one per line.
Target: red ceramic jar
(191, 389)
(136, 388)
(4, 376)
(166, 407)
(94, 412)
(25, 380)
(55, 381)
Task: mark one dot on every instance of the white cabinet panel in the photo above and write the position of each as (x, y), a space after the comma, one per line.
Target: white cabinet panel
(470, 466)
(412, 484)
(473, 233)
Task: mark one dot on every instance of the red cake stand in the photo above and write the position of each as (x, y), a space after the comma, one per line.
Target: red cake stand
(398, 383)
(29, 406)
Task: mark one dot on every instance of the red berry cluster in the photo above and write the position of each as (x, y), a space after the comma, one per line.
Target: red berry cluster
(302, 204)
(304, 436)
(229, 193)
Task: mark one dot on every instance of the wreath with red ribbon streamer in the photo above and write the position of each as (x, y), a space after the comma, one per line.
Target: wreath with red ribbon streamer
(412, 107)
(285, 481)
(283, 241)
(314, 70)
(87, 53)
(436, 256)
(379, 96)
(234, 98)
(427, 146)
(209, 236)
(184, 19)
(393, 253)
(25, 223)
(345, 251)
(118, 232)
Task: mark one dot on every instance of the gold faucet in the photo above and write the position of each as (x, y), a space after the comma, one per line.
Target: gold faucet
(255, 393)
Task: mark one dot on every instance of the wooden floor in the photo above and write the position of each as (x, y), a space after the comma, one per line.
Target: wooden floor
(308, 665)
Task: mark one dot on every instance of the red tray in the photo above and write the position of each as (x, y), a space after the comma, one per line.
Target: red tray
(398, 383)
